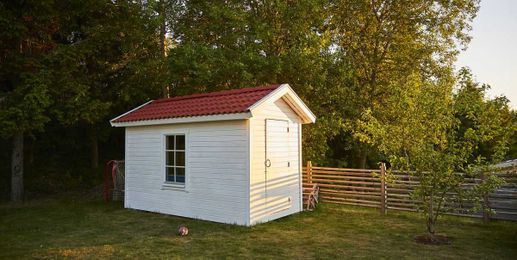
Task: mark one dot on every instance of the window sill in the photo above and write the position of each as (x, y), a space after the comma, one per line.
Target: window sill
(173, 186)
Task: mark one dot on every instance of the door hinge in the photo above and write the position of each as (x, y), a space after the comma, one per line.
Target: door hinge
(288, 129)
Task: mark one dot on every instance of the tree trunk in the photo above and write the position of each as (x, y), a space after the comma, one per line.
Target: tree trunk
(363, 157)
(486, 204)
(430, 217)
(162, 27)
(430, 225)
(94, 148)
(17, 168)
(163, 31)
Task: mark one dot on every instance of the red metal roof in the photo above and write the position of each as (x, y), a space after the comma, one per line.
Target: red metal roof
(222, 102)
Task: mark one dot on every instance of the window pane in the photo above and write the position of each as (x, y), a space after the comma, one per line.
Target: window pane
(174, 160)
(180, 175)
(170, 142)
(180, 142)
(170, 158)
(170, 174)
(180, 159)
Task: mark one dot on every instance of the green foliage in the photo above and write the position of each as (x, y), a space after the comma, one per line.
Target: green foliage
(423, 129)
(26, 36)
(512, 152)
(488, 121)
(480, 193)
(24, 108)
(95, 68)
(96, 58)
(339, 56)
(82, 63)
(75, 63)
(236, 44)
(359, 65)
(387, 41)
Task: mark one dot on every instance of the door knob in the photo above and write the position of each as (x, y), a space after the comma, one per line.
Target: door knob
(268, 163)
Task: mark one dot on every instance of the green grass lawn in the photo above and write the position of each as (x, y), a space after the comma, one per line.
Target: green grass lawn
(92, 229)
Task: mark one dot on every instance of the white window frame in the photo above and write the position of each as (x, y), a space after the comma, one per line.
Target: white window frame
(168, 184)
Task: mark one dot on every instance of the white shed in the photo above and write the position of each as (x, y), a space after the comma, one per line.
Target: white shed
(231, 156)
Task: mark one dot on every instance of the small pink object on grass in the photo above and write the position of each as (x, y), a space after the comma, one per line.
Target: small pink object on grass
(183, 231)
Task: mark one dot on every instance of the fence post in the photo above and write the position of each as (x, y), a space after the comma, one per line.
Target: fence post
(309, 171)
(383, 188)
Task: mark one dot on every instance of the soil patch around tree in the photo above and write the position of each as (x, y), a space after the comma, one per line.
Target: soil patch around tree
(433, 239)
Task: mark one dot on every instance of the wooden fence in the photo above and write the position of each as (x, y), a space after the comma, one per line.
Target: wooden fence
(368, 187)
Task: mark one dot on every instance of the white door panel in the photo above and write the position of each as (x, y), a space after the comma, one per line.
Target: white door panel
(277, 166)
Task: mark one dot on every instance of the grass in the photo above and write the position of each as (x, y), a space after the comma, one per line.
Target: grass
(75, 228)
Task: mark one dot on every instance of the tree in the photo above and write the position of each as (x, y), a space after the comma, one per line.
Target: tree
(340, 56)
(491, 117)
(27, 35)
(104, 63)
(393, 39)
(234, 44)
(76, 62)
(420, 134)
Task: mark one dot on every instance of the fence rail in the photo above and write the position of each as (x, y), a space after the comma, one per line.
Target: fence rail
(369, 188)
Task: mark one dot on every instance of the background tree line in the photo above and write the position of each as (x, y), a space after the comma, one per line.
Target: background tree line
(67, 67)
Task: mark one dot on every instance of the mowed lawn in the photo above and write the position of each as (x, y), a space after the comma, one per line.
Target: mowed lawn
(93, 229)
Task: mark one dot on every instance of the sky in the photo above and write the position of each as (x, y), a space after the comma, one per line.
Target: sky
(492, 53)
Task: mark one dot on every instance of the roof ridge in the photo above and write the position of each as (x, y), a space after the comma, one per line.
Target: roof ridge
(213, 103)
(219, 93)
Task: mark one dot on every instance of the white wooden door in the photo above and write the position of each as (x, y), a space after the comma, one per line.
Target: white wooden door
(277, 166)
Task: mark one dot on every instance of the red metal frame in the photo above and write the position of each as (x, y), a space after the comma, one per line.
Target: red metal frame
(111, 166)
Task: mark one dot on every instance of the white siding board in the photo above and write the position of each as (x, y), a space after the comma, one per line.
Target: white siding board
(217, 177)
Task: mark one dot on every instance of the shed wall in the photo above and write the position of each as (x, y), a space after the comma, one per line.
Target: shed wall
(279, 110)
(217, 171)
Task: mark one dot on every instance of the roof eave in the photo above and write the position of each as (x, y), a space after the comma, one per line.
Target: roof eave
(112, 121)
(178, 120)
